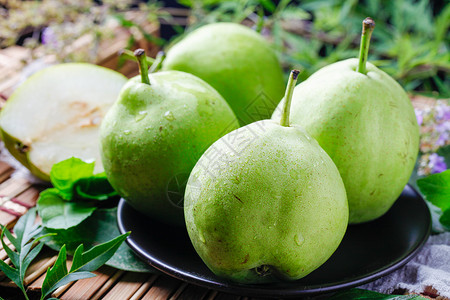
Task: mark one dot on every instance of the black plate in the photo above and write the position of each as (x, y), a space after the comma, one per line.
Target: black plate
(367, 252)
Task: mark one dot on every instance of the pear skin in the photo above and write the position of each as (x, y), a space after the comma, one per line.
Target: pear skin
(265, 203)
(155, 133)
(366, 123)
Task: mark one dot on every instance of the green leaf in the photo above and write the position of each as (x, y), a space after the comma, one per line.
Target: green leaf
(14, 256)
(268, 4)
(83, 264)
(69, 278)
(25, 230)
(55, 273)
(11, 273)
(436, 189)
(64, 174)
(445, 219)
(77, 257)
(11, 238)
(445, 153)
(123, 22)
(96, 187)
(98, 228)
(360, 294)
(92, 259)
(29, 258)
(57, 213)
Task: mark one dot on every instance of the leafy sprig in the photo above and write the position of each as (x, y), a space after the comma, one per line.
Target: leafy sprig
(79, 209)
(27, 246)
(26, 230)
(83, 264)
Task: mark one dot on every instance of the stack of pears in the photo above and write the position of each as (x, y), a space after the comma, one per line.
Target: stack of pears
(264, 202)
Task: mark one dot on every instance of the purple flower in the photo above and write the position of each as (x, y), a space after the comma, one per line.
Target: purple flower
(444, 130)
(443, 139)
(419, 116)
(443, 127)
(437, 163)
(443, 112)
(49, 37)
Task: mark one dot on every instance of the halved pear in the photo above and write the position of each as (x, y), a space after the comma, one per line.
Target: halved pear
(56, 113)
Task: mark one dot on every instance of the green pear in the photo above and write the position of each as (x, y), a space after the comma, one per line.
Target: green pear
(237, 62)
(365, 121)
(155, 133)
(56, 114)
(265, 203)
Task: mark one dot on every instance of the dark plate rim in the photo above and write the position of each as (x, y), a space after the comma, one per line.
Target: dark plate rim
(266, 290)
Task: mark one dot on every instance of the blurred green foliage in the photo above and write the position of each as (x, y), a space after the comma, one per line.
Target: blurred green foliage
(410, 41)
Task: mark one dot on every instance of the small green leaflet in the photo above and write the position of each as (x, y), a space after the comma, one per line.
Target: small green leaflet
(60, 214)
(436, 189)
(95, 187)
(65, 173)
(445, 218)
(75, 196)
(74, 178)
(25, 231)
(82, 265)
(360, 294)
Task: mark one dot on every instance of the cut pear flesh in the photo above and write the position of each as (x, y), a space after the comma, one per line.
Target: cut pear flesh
(56, 114)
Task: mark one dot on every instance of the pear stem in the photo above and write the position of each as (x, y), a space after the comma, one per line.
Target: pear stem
(143, 67)
(288, 98)
(367, 29)
(130, 56)
(157, 63)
